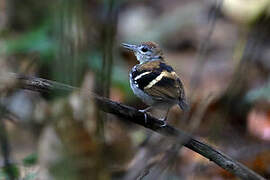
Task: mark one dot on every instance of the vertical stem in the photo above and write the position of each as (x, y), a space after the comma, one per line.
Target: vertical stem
(109, 34)
(69, 28)
(5, 148)
(107, 60)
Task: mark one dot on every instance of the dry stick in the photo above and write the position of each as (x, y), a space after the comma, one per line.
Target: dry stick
(133, 115)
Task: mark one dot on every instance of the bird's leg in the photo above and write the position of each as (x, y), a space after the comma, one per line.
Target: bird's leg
(144, 111)
(165, 118)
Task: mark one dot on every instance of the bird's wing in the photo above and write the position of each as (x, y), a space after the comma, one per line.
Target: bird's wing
(166, 86)
(159, 80)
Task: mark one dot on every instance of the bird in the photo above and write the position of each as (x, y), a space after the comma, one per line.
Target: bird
(154, 81)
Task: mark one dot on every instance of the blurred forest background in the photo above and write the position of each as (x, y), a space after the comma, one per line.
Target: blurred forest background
(220, 52)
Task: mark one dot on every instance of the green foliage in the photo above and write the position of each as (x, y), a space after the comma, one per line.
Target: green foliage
(35, 41)
(30, 160)
(12, 170)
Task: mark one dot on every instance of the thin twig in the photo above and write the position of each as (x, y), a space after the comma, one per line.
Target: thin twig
(133, 115)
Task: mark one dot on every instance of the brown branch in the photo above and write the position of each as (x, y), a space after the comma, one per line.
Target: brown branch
(133, 115)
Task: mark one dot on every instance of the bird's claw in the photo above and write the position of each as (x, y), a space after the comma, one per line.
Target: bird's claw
(145, 115)
(163, 120)
(141, 110)
(164, 124)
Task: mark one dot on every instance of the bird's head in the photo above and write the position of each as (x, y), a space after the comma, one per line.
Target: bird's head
(146, 51)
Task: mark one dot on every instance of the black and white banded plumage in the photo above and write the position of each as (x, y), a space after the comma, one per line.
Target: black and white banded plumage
(154, 81)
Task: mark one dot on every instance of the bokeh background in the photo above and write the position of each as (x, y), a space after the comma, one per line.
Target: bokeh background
(220, 49)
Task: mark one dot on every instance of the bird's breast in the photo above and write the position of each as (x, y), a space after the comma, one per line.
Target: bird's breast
(140, 93)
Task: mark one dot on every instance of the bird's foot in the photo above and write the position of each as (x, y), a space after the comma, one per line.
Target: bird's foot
(145, 115)
(163, 121)
(163, 125)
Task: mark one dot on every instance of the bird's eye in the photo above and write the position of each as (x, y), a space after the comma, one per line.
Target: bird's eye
(144, 49)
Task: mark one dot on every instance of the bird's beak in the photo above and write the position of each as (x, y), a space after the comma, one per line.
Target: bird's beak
(129, 46)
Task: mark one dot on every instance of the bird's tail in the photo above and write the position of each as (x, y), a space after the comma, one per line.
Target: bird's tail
(183, 105)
